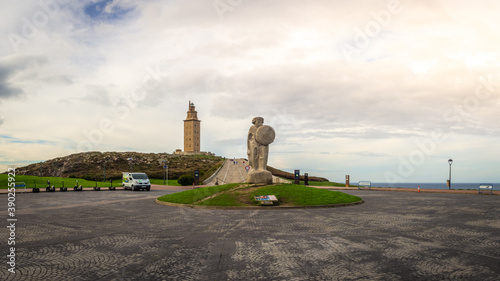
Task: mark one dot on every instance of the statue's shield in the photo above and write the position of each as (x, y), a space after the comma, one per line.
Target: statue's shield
(265, 135)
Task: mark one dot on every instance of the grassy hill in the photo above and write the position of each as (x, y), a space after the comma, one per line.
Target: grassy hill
(93, 165)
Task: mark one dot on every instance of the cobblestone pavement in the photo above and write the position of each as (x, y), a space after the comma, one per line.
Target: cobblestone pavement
(124, 235)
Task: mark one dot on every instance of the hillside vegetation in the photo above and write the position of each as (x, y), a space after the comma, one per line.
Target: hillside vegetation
(93, 165)
(97, 165)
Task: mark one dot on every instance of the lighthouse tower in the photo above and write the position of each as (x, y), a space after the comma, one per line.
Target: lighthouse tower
(192, 130)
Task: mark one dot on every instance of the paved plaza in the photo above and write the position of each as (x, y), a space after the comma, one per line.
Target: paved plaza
(125, 235)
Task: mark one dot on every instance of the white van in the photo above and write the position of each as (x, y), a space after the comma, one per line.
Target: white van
(136, 181)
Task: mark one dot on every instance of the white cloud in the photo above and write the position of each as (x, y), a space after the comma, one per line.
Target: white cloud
(429, 66)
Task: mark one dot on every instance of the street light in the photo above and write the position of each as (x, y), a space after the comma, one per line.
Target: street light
(165, 172)
(450, 161)
(130, 163)
(105, 160)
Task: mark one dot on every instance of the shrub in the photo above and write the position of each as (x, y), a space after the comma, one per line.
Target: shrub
(186, 180)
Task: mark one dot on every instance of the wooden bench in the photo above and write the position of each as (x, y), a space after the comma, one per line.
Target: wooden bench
(485, 188)
(365, 185)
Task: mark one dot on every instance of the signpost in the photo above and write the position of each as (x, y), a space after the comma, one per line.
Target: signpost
(20, 184)
(297, 176)
(266, 199)
(306, 179)
(196, 177)
(165, 174)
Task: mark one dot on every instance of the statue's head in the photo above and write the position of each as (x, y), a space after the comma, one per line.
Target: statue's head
(258, 121)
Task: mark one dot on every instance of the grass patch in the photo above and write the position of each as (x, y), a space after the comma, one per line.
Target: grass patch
(287, 194)
(160, 182)
(193, 195)
(225, 199)
(325, 183)
(298, 195)
(41, 182)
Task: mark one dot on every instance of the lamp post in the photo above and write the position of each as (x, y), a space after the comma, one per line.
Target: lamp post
(165, 172)
(130, 163)
(106, 159)
(450, 161)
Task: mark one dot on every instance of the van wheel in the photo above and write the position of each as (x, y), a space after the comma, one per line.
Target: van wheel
(148, 188)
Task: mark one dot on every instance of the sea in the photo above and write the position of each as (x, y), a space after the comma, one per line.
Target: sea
(434, 185)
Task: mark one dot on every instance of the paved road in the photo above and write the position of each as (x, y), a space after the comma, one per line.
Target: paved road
(124, 235)
(231, 172)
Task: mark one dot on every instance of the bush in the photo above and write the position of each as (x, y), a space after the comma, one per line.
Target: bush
(186, 180)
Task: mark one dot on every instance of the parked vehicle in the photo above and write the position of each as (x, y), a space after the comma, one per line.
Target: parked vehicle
(135, 181)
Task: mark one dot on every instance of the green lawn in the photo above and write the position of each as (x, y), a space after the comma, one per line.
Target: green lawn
(299, 195)
(289, 194)
(224, 199)
(193, 195)
(41, 182)
(160, 182)
(324, 183)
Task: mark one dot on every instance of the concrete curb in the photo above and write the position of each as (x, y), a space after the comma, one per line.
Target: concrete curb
(257, 207)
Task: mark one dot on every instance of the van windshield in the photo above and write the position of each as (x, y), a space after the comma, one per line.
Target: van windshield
(140, 176)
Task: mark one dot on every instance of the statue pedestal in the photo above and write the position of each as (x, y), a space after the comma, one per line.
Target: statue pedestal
(259, 177)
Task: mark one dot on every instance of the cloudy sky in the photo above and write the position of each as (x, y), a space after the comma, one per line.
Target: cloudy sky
(385, 91)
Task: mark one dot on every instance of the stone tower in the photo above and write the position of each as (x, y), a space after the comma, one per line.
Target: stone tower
(192, 130)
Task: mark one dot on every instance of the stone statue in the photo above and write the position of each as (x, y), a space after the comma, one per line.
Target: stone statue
(259, 138)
